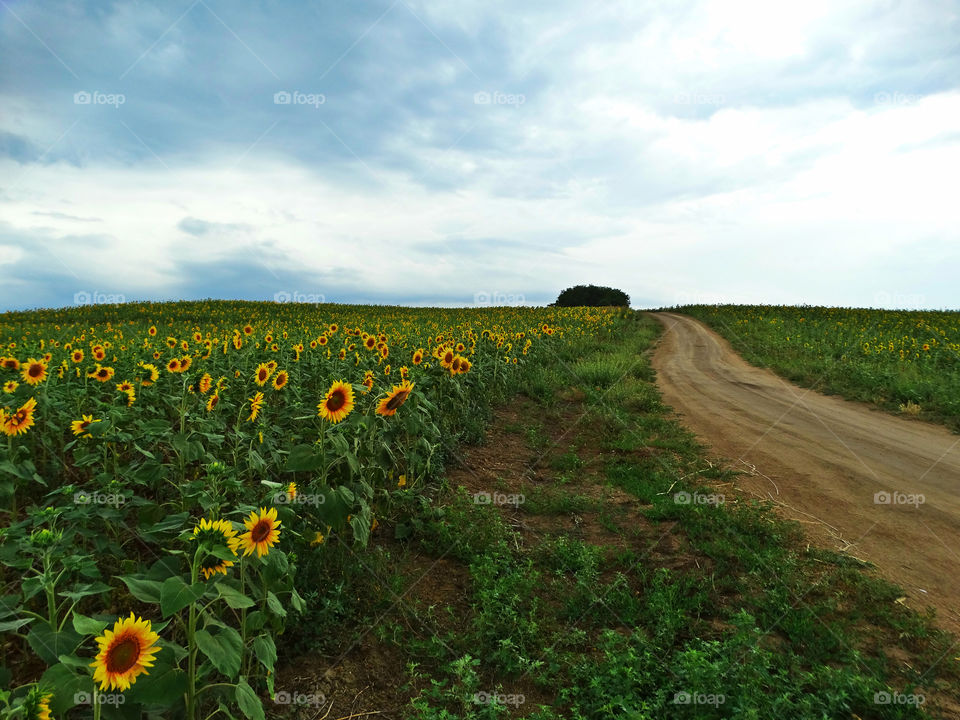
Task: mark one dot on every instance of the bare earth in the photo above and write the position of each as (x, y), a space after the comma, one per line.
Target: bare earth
(822, 459)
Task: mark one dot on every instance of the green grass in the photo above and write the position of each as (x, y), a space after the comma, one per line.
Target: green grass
(723, 605)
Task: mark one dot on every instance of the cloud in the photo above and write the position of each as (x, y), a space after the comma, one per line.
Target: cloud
(426, 152)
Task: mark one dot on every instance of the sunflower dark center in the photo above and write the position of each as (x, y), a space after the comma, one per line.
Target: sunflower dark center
(123, 655)
(336, 401)
(397, 400)
(260, 531)
(35, 370)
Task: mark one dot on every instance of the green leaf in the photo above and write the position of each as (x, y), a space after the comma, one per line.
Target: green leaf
(298, 604)
(162, 686)
(175, 595)
(68, 688)
(266, 651)
(85, 590)
(273, 602)
(248, 701)
(303, 457)
(233, 597)
(88, 625)
(11, 625)
(224, 649)
(147, 591)
(49, 644)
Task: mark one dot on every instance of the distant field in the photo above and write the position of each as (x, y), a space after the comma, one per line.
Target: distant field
(904, 361)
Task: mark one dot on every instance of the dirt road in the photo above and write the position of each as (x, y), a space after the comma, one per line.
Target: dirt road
(824, 460)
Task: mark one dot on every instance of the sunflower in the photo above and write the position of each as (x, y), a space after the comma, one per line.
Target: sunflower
(125, 387)
(370, 342)
(80, 427)
(36, 705)
(154, 374)
(322, 340)
(206, 382)
(216, 532)
(333, 328)
(22, 420)
(174, 365)
(11, 363)
(125, 652)
(263, 531)
(98, 352)
(237, 342)
(447, 359)
(263, 374)
(280, 380)
(455, 366)
(418, 357)
(152, 331)
(394, 399)
(337, 403)
(10, 386)
(185, 363)
(77, 356)
(247, 330)
(292, 491)
(256, 403)
(212, 402)
(34, 372)
(465, 365)
(272, 365)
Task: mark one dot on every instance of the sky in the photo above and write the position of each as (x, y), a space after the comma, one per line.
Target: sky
(475, 153)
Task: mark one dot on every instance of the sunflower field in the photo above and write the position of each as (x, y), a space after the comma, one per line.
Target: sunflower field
(163, 467)
(898, 359)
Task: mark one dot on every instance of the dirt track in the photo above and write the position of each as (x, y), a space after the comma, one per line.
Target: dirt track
(823, 459)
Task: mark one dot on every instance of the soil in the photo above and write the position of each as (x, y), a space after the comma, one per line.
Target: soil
(822, 460)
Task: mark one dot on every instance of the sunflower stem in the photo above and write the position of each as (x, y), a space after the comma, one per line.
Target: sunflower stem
(192, 643)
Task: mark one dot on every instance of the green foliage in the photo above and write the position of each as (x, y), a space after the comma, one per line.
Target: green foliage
(592, 296)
